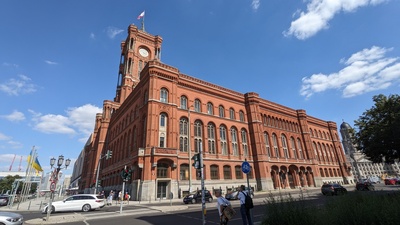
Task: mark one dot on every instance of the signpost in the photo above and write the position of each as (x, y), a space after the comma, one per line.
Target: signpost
(246, 169)
(53, 186)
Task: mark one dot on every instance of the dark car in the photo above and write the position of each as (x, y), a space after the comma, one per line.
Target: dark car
(4, 199)
(366, 186)
(333, 189)
(195, 197)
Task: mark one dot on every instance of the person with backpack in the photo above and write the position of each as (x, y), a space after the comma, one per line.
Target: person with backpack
(245, 208)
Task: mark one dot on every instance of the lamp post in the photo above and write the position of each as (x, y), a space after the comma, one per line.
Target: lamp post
(190, 153)
(54, 179)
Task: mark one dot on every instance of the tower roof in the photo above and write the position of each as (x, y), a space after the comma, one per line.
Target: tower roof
(345, 125)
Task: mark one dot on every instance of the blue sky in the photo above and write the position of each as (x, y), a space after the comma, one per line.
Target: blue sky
(59, 59)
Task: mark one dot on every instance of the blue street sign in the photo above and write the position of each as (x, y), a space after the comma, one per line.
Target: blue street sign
(245, 167)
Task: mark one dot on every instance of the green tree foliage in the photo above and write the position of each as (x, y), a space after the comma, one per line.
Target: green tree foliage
(378, 132)
(6, 182)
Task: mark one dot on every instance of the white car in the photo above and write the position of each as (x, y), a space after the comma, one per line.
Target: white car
(9, 218)
(80, 202)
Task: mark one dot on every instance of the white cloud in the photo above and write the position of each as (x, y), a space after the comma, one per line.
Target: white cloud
(50, 62)
(78, 121)
(10, 143)
(14, 116)
(92, 36)
(4, 137)
(10, 65)
(320, 12)
(113, 31)
(255, 4)
(365, 71)
(19, 86)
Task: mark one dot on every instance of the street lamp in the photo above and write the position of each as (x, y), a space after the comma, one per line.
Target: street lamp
(54, 179)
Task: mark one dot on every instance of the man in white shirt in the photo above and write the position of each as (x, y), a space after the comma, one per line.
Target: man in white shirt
(245, 212)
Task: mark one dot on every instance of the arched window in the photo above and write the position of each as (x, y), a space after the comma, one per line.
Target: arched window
(211, 138)
(164, 95)
(183, 135)
(293, 147)
(275, 143)
(227, 173)
(314, 146)
(197, 105)
(267, 145)
(238, 172)
(301, 156)
(241, 116)
(222, 134)
(221, 111)
(183, 102)
(184, 172)
(210, 109)
(284, 146)
(162, 170)
(231, 113)
(244, 143)
(198, 135)
(214, 172)
(162, 131)
(234, 141)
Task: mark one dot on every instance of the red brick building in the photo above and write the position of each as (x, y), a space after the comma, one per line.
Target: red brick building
(160, 117)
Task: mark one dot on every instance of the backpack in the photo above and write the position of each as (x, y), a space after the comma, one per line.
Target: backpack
(248, 202)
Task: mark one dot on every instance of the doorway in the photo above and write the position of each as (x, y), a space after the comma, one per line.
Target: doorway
(162, 189)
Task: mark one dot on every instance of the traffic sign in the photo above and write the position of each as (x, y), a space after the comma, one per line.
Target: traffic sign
(53, 186)
(245, 167)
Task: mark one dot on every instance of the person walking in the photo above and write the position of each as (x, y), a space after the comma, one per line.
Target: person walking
(245, 212)
(222, 203)
(110, 198)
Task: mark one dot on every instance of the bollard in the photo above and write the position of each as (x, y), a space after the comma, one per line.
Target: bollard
(40, 206)
(29, 206)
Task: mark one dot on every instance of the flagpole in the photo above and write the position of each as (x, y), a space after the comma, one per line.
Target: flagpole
(143, 23)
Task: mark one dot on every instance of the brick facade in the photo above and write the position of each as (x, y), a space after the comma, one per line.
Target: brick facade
(160, 117)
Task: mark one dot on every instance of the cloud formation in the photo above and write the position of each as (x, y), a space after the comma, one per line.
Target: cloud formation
(21, 85)
(367, 70)
(255, 4)
(113, 31)
(77, 121)
(15, 116)
(320, 12)
(50, 62)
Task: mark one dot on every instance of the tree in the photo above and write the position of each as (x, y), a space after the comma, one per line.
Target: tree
(6, 183)
(378, 134)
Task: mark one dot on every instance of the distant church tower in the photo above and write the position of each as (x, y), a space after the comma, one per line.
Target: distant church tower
(138, 48)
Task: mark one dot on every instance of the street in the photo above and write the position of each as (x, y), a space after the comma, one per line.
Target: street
(172, 213)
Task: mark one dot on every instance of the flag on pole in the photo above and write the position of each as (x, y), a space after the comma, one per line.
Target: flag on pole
(34, 163)
(140, 16)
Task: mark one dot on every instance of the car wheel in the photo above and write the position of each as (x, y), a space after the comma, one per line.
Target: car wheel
(52, 209)
(193, 201)
(210, 200)
(86, 208)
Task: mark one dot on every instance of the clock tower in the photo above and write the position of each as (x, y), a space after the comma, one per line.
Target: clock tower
(138, 48)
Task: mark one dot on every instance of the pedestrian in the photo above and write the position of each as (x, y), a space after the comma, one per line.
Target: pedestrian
(110, 198)
(120, 199)
(222, 204)
(245, 212)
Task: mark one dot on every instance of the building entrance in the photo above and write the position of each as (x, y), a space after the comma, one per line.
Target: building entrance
(162, 189)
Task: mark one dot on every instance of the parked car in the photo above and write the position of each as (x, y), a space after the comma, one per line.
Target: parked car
(333, 189)
(10, 218)
(233, 194)
(4, 200)
(390, 181)
(80, 202)
(195, 197)
(365, 186)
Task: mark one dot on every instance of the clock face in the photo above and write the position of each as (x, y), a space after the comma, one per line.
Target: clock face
(143, 52)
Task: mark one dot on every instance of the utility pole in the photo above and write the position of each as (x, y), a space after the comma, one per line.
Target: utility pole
(108, 155)
(123, 191)
(203, 198)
